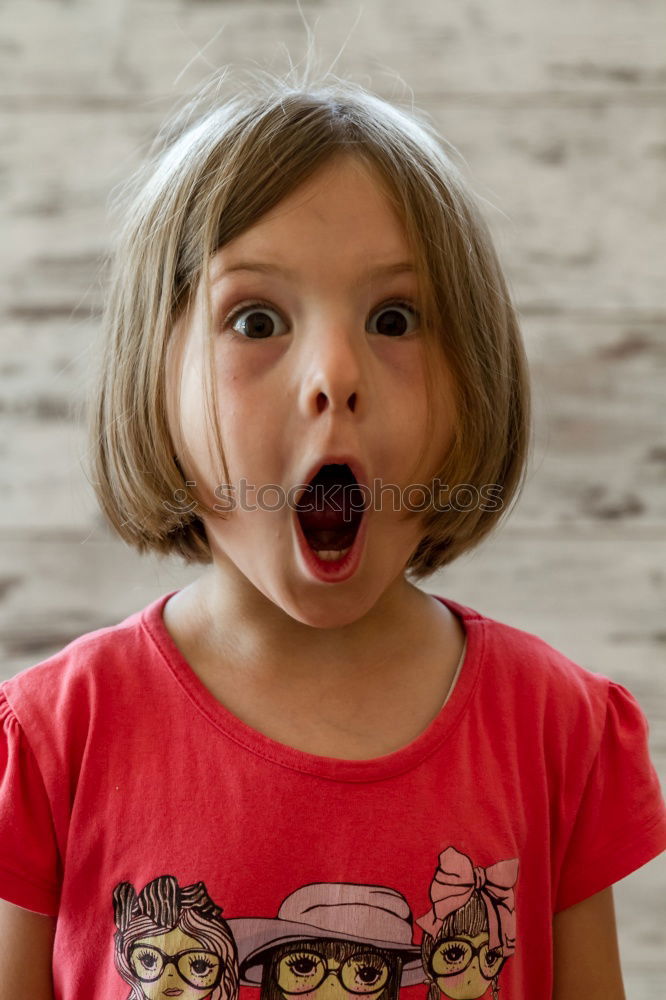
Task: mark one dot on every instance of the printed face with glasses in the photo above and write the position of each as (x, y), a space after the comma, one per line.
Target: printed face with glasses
(361, 971)
(175, 964)
(463, 966)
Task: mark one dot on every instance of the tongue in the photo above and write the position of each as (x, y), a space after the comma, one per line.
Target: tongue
(331, 540)
(328, 529)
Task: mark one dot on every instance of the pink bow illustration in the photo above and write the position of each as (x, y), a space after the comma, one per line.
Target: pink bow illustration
(454, 881)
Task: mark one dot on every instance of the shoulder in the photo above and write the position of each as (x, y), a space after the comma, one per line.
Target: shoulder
(522, 665)
(579, 719)
(535, 663)
(544, 697)
(586, 738)
(61, 721)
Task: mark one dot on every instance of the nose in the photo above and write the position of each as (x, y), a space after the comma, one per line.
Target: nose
(331, 986)
(333, 378)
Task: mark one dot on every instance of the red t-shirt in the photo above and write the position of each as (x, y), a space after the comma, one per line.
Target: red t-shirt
(187, 854)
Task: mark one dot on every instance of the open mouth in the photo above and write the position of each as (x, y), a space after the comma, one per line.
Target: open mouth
(330, 511)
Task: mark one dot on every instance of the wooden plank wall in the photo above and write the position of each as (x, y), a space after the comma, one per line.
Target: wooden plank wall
(558, 110)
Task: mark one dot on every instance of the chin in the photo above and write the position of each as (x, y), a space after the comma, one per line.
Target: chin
(327, 610)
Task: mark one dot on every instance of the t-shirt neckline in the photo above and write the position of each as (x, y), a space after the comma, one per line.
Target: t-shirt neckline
(334, 768)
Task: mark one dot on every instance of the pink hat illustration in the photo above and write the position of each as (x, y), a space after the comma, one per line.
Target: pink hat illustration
(343, 911)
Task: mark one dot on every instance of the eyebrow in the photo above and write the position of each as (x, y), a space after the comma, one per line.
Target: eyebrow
(269, 267)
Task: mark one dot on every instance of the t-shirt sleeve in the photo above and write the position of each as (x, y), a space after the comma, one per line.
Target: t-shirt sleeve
(29, 856)
(621, 818)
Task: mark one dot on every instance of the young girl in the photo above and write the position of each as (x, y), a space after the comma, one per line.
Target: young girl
(302, 774)
(200, 945)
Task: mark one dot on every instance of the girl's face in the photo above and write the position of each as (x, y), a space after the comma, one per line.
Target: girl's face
(317, 971)
(464, 966)
(308, 372)
(174, 964)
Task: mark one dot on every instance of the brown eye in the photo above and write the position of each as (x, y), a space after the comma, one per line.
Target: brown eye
(392, 322)
(258, 324)
(367, 975)
(303, 966)
(257, 320)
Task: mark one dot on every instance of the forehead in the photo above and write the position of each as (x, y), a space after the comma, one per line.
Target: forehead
(339, 216)
(225, 267)
(171, 941)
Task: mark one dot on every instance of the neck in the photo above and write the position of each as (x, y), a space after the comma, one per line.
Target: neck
(239, 625)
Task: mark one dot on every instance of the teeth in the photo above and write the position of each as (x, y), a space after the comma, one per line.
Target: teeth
(330, 555)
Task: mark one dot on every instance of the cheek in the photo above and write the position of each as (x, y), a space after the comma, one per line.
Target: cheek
(238, 362)
(249, 389)
(405, 363)
(233, 402)
(448, 984)
(409, 390)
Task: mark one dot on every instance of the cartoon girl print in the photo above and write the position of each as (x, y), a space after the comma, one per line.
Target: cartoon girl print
(173, 942)
(470, 930)
(331, 941)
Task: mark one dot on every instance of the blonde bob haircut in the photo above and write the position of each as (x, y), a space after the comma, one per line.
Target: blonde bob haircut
(212, 172)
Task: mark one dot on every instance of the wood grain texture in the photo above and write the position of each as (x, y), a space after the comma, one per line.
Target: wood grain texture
(557, 114)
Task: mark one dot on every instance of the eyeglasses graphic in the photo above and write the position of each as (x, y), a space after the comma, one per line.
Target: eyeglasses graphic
(198, 968)
(454, 955)
(363, 973)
